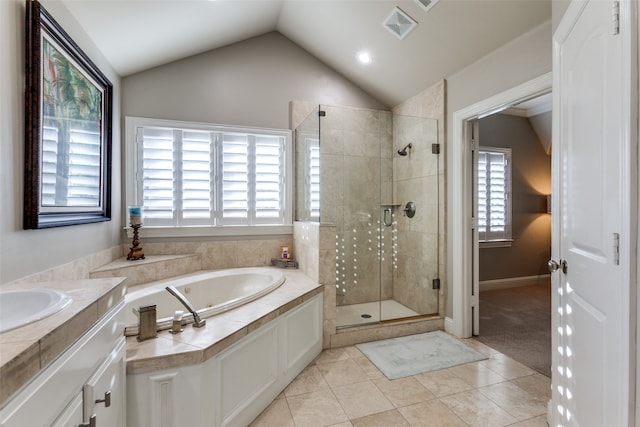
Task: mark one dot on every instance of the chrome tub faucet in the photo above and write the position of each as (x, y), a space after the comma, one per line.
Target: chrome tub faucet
(197, 321)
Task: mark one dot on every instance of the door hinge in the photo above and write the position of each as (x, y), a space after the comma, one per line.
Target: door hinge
(474, 145)
(616, 249)
(435, 148)
(474, 223)
(322, 113)
(436, 284)
(615, 17)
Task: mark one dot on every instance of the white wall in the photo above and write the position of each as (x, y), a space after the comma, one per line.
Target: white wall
(248, 83)
(24, 252)
(523, 59)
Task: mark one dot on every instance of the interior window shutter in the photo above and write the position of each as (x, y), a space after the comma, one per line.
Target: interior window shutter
(158, 168)
(493, 194)
(235, 178)
(496, 186)
(269, 182)
(206, 175)
(482, 194)
(197, 188)
(314, 178)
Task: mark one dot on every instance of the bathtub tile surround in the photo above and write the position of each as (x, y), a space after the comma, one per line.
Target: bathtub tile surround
(150, 269)
(239, 361)
(314, 245)
(27, 350)
(219, 254)
(221, 331)
(451, 397)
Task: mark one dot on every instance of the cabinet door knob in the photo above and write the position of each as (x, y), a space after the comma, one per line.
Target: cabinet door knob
(106, 400)
(91, 423)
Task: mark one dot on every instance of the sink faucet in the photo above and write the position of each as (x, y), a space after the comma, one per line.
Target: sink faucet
(197, 321)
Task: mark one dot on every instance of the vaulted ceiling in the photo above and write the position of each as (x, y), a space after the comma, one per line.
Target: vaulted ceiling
(135, 35)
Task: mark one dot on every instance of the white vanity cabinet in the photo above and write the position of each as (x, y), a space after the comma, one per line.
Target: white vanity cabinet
(71, 391)
(72, 414)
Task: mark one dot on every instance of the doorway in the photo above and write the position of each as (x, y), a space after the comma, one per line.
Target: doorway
(464, 296)
(512, 236)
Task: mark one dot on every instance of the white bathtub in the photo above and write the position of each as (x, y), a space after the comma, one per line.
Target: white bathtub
(210, 292)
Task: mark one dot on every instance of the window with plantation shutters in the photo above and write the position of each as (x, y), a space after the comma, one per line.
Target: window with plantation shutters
(208, 175)
(252, 184)
(494, 194)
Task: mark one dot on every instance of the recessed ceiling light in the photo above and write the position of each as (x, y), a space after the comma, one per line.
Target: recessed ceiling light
(364, 57)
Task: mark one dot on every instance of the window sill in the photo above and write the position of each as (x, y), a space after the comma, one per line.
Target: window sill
(223, 232)
(496, 244)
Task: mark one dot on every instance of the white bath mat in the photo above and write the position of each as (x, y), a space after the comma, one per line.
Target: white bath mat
(415, 354)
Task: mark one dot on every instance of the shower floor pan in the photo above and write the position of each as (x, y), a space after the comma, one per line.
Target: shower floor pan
(360, 314)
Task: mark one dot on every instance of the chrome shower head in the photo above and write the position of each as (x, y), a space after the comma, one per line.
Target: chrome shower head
(404, 152)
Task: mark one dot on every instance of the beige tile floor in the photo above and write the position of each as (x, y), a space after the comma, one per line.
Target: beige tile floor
(342, 388)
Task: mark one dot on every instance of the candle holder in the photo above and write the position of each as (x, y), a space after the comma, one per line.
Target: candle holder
(135, 252)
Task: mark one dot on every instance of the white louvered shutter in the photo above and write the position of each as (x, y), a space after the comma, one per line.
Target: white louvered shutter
(494, 182)
(197, 186)
(314, 178)
(157, 180)
(269, 179)
(210, 176)
(235, 178)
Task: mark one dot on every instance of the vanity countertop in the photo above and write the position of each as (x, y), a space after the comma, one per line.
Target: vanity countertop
(195, 345)
(27, 350)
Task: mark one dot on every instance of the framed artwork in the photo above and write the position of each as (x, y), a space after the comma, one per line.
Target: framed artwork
(68, 116)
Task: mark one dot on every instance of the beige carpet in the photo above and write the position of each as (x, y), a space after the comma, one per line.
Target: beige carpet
(517, 322)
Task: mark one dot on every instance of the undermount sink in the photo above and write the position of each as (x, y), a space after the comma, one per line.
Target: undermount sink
(21, 307)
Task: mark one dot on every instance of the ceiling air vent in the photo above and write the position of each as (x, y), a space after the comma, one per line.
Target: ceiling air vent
(399, 23)
(426, 4)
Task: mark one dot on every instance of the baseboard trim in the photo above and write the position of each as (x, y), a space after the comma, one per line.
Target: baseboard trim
(451, 327)
(514, 282)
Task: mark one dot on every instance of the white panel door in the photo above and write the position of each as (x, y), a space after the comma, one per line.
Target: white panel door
(593, 177)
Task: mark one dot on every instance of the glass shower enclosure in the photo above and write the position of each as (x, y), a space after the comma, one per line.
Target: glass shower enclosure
(374, 175)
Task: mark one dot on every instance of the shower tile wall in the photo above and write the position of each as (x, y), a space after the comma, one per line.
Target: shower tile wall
(355, 145)
(415, 179)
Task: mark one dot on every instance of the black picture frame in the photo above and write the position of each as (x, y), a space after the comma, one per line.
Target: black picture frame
(68, 129)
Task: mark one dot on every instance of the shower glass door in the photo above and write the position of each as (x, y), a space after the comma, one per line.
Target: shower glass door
(413, 261)
(351, 143)
(349, 173)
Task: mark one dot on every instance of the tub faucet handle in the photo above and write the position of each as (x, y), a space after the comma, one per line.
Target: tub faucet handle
(147, 324)
(176, 326)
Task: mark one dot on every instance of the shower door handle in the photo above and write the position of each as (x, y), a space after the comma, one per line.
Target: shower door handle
(384, 217)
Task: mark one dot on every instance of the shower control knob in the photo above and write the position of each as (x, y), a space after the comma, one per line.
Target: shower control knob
(554, 266)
